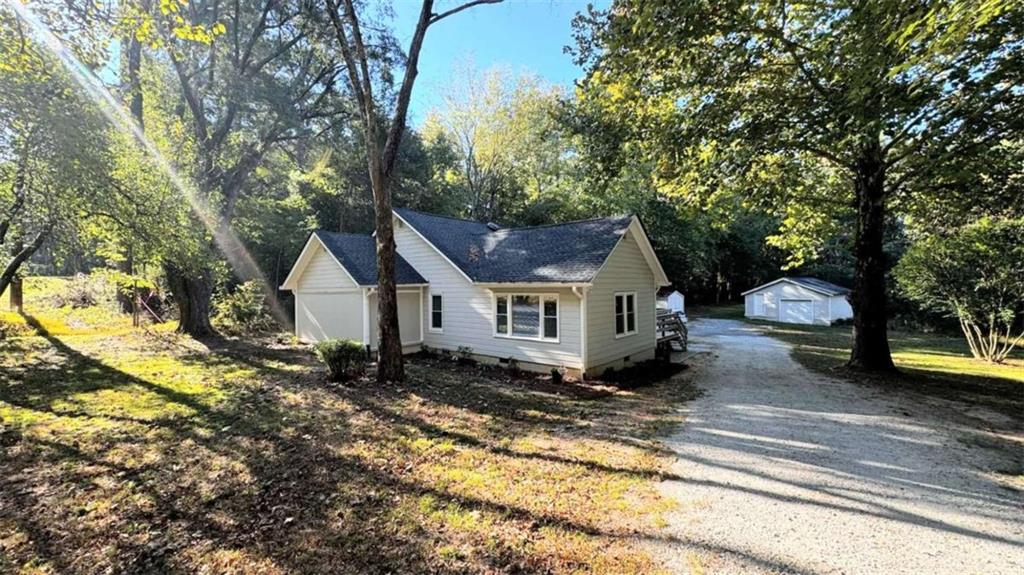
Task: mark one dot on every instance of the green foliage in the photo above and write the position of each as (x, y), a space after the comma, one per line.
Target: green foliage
(345, 358)
(975, 274)
(244, 311)
(513, 162)
(774, 105)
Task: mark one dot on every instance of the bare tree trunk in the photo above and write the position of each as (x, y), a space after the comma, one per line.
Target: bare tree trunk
(192, 293)
(381, 162)
(868, 299)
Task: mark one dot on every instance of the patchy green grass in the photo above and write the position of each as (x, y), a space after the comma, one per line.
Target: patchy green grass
(728, 311)
(934, 364)
(152, 452)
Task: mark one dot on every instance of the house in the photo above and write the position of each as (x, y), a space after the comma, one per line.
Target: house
(579, 295)
(798, 300)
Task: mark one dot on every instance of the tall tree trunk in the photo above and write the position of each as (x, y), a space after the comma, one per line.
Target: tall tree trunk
(192, 293)
(390, 364)
(868, 299)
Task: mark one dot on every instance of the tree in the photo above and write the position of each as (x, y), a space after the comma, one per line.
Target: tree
(975, 274)
(506, 134)
(823, 104)
(252, 78)
(382, 155)
(53, 150)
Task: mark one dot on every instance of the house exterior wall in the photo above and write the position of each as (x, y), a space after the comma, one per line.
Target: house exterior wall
(328, 304)
(626, 270)
(469, 311)
(323, 273)
(825, 309)
(841, 308)
(409, 318)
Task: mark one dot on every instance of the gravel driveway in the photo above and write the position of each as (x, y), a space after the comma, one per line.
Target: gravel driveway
(781, 470)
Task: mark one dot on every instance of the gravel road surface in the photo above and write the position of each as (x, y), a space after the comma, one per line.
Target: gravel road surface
(781, 470)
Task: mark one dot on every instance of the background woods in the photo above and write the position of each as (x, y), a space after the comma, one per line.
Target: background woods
(855, 134)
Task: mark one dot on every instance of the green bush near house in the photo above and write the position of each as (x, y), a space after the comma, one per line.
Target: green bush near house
(244, 311)
(345, 358)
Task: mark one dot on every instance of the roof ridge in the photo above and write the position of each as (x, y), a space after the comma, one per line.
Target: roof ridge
(479, 223)
(351, 234)
(443, 216)
(569, 223)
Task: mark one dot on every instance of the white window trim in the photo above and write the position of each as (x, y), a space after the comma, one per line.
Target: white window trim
(542, 297)
(430, 316)
(625, 314)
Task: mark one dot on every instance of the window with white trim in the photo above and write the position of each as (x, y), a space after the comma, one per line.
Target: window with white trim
(526, 316)
(625, 314)
(436, 312)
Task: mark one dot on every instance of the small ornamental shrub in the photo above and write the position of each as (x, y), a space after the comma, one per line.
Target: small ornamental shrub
(557, 375)
(243, 311)
(512, 365)
(464, 355)
(345, 358)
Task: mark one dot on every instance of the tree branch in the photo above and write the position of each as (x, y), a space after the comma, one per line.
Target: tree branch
(434, 18)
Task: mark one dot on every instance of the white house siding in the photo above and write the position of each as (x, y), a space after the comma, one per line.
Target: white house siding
(409, 317)
(323, 273)
(328, 304)
(841, 308)
(468, 311)
(774, 294)
(626, 270)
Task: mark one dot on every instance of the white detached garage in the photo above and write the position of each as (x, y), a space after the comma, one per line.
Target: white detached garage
(803, 300)
(335, 283)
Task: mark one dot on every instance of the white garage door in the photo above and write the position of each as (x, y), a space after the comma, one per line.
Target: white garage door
(796, 311)
(320, 316)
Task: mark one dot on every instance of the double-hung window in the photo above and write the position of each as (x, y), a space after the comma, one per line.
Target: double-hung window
(527, 316)
(625, 314)
(436, 312)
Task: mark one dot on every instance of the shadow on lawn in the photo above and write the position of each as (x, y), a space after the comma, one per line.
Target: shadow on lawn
(261, 479)
(266, 478)
(827, 348)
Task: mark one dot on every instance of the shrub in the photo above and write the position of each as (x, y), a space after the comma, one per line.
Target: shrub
(345, 358)
(243, 311)
(82, 291)
(512, 365)
(557, 375)
(465, 355)
(976, 275)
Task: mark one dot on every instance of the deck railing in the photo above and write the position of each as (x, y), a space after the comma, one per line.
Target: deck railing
(670, 328)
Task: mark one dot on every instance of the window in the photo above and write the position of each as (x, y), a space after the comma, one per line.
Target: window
(436, 312)
(526, 316)
(551, 318)
(625, 314)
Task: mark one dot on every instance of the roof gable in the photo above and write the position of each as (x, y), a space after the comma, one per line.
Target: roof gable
(356, 255)
(814, 284)
(557, 253)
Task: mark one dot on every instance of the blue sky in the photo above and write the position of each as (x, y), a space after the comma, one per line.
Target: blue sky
(523, 35)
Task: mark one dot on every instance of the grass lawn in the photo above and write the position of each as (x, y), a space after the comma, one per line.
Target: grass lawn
(132, 451)
(934, 364)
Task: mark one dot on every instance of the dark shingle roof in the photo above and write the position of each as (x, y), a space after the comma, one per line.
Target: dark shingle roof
(820, 285)
(560, 253)
(358, 254)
